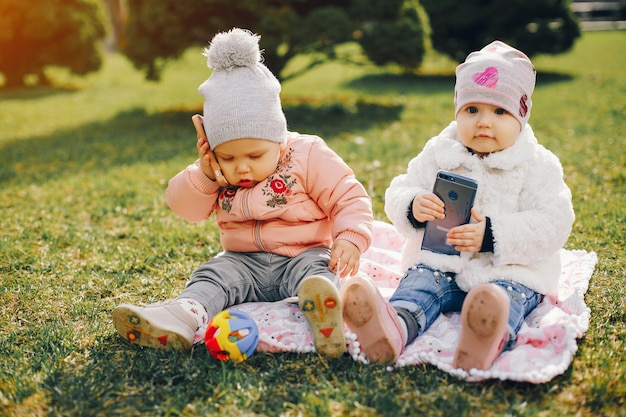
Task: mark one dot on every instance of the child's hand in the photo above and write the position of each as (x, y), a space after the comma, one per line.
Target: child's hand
(205, 158)
(349, 255)
(205, 164)
(208, 163)
(427, 206)
(468, 237)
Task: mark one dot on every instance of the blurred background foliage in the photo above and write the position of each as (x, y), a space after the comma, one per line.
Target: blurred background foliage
(69, 34)
(38, 34)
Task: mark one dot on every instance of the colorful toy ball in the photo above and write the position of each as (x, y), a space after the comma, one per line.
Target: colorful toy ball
(231, 335)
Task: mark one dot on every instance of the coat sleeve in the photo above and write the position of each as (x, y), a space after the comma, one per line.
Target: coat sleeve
(419, 178)
(542, 225)
(192, 195)
(336, 190)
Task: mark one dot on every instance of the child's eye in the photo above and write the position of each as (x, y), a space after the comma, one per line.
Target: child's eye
(500, 111)
(472, 110)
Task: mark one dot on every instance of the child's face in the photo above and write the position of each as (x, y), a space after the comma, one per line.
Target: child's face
(246, 162)
(486, 128)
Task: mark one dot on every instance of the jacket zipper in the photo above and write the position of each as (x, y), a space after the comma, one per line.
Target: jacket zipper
(257, 223)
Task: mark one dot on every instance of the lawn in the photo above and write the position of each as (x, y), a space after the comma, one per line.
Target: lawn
(83, 171)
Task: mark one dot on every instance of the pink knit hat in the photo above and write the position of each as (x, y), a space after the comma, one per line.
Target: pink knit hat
(499, 75)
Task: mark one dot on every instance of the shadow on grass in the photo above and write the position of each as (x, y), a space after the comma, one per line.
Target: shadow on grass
(339, 115)
(119, 379)
(402, 84)
(115, 378)
(428, 84)
(137, 137)
(35, 93)
(547, 78)
(130, 137)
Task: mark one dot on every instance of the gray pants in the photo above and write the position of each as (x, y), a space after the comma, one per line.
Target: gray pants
(235, 277)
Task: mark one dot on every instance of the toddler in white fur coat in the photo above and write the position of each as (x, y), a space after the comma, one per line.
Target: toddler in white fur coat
(509, 252)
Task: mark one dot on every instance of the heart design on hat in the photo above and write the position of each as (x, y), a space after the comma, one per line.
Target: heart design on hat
(488, 78)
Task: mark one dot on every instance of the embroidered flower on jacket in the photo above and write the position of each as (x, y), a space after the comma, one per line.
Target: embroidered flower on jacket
(227, 195)
(278, 185)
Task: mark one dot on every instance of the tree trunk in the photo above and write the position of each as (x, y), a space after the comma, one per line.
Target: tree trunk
(118, 16)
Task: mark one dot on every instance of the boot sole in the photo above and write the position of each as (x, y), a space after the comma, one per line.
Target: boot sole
(484, 318)
(319, 301)
(133, 326)
(368, 316)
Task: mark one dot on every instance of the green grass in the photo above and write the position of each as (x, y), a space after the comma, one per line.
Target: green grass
(83, 170)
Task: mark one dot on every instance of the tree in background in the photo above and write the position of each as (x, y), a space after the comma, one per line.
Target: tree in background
(533, 26)
(37, 34)
(390, 31)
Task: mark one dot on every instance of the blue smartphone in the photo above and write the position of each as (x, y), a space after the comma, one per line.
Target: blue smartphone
(457, 193)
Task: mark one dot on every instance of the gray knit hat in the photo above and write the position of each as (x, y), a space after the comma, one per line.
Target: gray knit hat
(241, 97)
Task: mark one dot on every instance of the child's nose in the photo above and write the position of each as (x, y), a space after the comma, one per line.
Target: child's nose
(243, 168)
(484, 120)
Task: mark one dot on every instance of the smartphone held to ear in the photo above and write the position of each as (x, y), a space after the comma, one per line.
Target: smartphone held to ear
(457, 193)
(219, 177)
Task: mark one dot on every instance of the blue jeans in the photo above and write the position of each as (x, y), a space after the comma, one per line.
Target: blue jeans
(425, 293)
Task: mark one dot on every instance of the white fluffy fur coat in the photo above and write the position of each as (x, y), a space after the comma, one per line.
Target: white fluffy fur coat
(521, 189)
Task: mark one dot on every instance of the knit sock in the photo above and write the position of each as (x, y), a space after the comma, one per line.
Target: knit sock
(404, 330)
(198, 311)
(410, 325)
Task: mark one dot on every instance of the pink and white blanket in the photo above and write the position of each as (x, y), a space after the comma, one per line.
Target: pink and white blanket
(546, 342)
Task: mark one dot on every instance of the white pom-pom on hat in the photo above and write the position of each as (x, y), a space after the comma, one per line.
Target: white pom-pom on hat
(235, 48)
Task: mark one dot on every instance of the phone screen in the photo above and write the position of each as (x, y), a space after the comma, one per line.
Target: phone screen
(457, 193)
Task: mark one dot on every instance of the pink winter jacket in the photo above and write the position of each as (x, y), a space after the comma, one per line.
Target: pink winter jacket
(310, 200)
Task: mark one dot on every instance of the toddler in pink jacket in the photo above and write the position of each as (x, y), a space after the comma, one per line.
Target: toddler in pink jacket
(291, 213)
